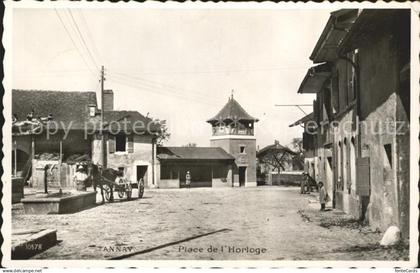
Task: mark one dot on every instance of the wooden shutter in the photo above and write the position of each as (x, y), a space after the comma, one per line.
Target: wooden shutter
(130, 144)
(111, 144)
(363, 176)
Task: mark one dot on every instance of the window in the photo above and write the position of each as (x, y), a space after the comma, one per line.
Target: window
(92, 110)
(121, 170)
(120, 143)
(335, 93)
(242, 149)
(388, 155)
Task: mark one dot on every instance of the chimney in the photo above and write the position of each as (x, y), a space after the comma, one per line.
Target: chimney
(276, 142)
(108, 100)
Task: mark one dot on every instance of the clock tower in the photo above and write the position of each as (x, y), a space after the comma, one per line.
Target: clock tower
(233, 130)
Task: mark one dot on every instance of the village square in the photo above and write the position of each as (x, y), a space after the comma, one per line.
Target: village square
(104, 174)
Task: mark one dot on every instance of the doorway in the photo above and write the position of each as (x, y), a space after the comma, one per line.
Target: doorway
(242, 176)
(329, 179)
(141, 173)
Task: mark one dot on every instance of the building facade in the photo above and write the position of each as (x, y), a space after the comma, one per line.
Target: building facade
(208, 167)
(73, 129)
(361, 82)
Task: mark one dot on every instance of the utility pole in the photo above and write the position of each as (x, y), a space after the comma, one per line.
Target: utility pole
(103, 144)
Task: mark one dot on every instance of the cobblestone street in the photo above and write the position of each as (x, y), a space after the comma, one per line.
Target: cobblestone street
(241, 223)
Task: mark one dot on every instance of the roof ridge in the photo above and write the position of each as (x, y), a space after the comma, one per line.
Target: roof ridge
(54, 91)
(228, 112)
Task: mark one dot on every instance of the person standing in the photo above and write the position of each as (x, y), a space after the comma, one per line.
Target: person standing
(188, 179)
(303, 183)
(322, 195)
(80, 178)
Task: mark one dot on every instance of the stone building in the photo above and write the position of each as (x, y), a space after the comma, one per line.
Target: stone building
(362, 112)
(233, 130)
(39, 141)
(73, 129)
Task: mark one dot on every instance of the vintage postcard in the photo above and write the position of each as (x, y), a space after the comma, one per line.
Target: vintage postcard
(210, 134)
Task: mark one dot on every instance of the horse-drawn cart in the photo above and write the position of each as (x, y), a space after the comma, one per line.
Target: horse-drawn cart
(112, 181)
(108, 180)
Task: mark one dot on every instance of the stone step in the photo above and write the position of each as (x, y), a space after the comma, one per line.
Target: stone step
(27, 243)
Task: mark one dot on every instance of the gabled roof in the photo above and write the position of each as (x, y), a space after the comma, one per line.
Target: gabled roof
(309, 117)
(315, 78)
(193, 153)
(326, 48)
(68, 109)
(276, 147)
(127, 121)
(370, 23)
(232, 111)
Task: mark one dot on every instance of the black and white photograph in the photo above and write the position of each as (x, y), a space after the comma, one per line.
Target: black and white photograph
(216, 133)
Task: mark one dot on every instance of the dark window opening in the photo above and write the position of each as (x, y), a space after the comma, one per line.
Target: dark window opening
(120, 142)
(242, 149)
(388, 153)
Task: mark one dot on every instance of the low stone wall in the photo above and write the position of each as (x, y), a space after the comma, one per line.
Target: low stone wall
(169, 184)
(287, 179)
(59, 205)
(221, 183)
(28, 243)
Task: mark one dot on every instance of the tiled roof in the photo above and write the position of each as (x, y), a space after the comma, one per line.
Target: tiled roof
(67, 108)
(193, 153)
(70, 110)
(232, 111)
(116, 120)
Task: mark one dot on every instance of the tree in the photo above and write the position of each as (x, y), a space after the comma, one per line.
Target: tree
(297, 144)
(275, 157)
(299, 159)
(163, 134)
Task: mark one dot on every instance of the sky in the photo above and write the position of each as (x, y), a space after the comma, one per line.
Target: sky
(176, 65)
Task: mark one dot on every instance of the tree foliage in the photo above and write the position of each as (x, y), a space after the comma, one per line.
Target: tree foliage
(163, 134)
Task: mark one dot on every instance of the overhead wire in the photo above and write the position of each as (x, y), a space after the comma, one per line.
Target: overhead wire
(166, 87)
(89, 35)
(72, 40)
(221, 71)
(155, 90)
(82, 38)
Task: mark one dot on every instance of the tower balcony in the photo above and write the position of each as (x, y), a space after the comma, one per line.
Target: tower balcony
(222, 131)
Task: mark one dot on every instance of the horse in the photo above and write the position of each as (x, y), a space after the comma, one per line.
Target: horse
(94, 174)
(104, 179)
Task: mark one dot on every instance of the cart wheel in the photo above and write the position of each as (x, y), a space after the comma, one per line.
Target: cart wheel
(121, 192)
(140, 188)
(107, 191)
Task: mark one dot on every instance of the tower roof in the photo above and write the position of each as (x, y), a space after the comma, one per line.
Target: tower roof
(232, 111)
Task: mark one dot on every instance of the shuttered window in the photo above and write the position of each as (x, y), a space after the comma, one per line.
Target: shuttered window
(130, 144)
(111, 144)
(120, 143)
